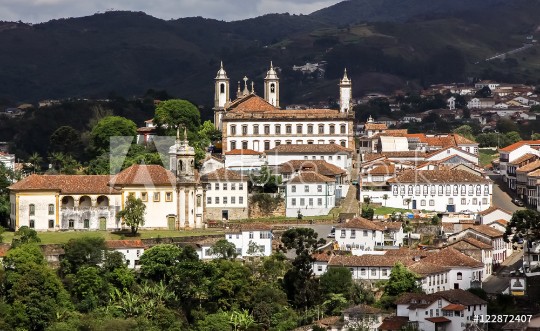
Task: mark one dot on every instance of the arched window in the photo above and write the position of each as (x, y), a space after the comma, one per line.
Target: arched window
(51, 209)
(222, 88)
(459, 276)
(272, 88)
(342, 128)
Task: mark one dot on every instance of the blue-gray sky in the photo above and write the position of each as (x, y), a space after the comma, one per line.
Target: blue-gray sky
(36, 11)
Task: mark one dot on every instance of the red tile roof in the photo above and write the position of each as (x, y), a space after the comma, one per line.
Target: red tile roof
(310, 177)
(223, 174)
(438, 176)
(517, 145)
(524, 158)
(493, 209)
(140, 174)
(454, 307)
(394, 323)
(366, 260)
(320, 166)
(383, 170)
(487, 230)
(242, 152)
(439, 319)
(360, 223)
(450, 257)
(529, 167)
(66, 184)
(473, 242)
(309, 148)
(118, 244)
(322, 257)
(375, 126)
(250, 103)
(423, 268)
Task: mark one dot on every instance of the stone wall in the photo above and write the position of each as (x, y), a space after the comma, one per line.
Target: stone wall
(256, 212)
(214, 214)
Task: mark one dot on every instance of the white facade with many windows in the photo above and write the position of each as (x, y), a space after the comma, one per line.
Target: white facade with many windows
(226, 195)
(309, 194)
(251, 239)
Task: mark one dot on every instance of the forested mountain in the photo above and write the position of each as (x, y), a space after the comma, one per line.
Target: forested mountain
(384, 43)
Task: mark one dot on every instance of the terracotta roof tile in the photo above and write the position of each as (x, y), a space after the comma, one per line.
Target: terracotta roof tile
(519, 144)
(439, 319)
(501, 222)
(415, 154)
(492, 209)
(223, 174)
(450, 257)
(450, 156)
(438, 176)
(320, 166)
(140, 174)
(375, 126)
(529, 167)
(487, 230)
(383, 170)
(366, 260)
(372, 157)
(249, 103)
(322, 257)
(360, 223)
(310, 177)
(362, 310)
(242, 152)
(535, 173)
(409, 253)
(524, 158)
(423, 268)
(471, 241)
(394, 323)
(249, 227)
(118, 244)
(66, 184)
(454, 307)
(455, 296)
(309, 148)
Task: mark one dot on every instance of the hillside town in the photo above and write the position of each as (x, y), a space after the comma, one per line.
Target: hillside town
(387, 200)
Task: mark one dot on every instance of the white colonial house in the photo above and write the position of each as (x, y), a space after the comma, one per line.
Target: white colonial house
(173, 198)
(480, 103)
(478, 250)
(292, 168)
(486, 233)
(309, 194)
(363, 317)
(251, 239)
(130, 249)
(211, 164)
(450, 310)
(256, 123)
(320, 263)
(455, 152)
(334, 154)
(368, 266)
(244, 160)
(359, 235)
(436, 190)
(511, 153)
(393, 233)
(493, 214)
(226, 195)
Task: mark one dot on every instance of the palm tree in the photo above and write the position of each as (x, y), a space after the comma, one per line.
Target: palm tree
(408, 202)
(385, 197)
(36, 160)
(57, 160)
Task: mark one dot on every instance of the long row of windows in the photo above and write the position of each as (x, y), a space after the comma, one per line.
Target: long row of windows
(440, 190)
(225, 186)
(302, 202)
(32, 209)
(475, 201)
(267, 144)
(156, 196)
(306, 188)
(277, 129)
(225, 200)
(71, 224)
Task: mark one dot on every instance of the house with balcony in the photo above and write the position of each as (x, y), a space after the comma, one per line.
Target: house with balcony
(533, 189)
(363, 317)
(292, 168)
(517, 155)
(522, 175)
(450, 310)
(393, 233)
(360, 235)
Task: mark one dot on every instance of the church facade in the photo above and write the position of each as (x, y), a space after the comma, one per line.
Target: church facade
(259, 124)
(174, 197)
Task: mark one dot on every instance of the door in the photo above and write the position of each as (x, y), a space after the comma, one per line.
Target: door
(102, 223)
(456, 286)
(225, 215)
(171, 222)
(414, 204)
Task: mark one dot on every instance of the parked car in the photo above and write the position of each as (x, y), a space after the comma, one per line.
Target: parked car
(518, 202)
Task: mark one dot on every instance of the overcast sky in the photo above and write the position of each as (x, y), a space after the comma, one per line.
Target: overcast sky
(36, 11)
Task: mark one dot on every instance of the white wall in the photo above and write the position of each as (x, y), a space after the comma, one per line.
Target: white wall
(132, 256)
(342, 160)
(242, 241)
(234, 189)
(244, 162)
(307, 198)
(359, 239)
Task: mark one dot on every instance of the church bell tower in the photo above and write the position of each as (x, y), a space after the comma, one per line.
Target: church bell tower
(271, 87)
(182, 159)
(221, 95)
(345, 94)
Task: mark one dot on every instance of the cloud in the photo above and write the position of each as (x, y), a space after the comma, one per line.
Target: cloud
(36, 11)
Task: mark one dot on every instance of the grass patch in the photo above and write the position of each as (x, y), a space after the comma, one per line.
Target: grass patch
(390, 210)
(485, 156)
(64, 237)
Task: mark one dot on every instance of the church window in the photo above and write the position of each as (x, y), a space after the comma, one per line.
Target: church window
(233, 145)
(343, 143)
(216, 186)
(233, 129)
(288, 128)
(342, 128)
(321, 128)
(272, 88)
(310, 129)
(86, 224)
(278, 129)
(208, 200)
(144, 196)
(256, 129)
(217, 200)
(267, 129)
(156, 196)
(244, 130)
(168, 196)
(221, 88)
(32, 210)
(332, 129)
(266, 145)
(51, 209)
(71, 224)
(299, 128)
(244, 144)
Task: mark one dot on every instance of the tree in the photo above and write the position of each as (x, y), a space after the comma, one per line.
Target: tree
(401, 281)
(25, 235)
(175, 113)
(367, 213)
(505, 125)
(535, 136)
(133, 213)
(108, 127)
(484, 92)
(513, 137)
(89, 288)
(385, 197)
(80, 252)
(35, 159)
(336, 280)
(524, 225)
(224, 249)
(465, 131)
(65, 140)
(157, 262)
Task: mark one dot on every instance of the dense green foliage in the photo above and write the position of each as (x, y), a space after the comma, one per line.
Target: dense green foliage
(133, 213)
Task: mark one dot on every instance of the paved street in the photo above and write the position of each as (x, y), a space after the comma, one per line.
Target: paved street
(501, 197)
